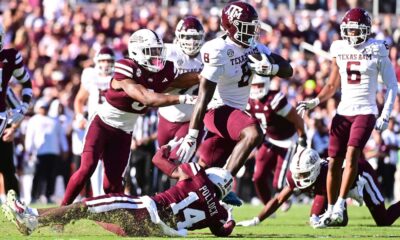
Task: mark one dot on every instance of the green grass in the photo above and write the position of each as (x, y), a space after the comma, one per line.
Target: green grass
(289, 225)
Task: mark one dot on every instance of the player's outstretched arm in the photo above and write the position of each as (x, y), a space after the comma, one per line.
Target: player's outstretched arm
(167, 165)
(285, 69)
(147, 97)
(298, 122)
(333, 83)
(206, 92)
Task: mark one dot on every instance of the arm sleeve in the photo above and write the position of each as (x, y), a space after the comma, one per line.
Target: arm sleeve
(389, 79)
(123, 69)
(280, 105)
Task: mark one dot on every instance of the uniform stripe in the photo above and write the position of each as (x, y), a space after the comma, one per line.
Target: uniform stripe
(18, 58)
(193, 168)
(155, 34)
(113, 199)
(285, 110)
(123, 72)
(277, 99)
(12, 99)
(127, 68)
(114, 206)
(285, 166)
(18, 73)
(372, 189)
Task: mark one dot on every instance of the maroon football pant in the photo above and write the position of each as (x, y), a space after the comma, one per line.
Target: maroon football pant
(271, 162)
(105, 142)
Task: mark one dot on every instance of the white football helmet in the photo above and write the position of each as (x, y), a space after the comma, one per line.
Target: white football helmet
(104, 61)
(305, 167)
(2, 37)
(259, 86)
(222, 179)
(147, 49)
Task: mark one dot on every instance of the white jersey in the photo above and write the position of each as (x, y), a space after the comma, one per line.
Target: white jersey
(359, 68)
(225, 63)
(183, 63)
(96, 86)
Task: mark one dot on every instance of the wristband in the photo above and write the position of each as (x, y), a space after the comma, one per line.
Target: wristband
(182, 99)
(193, 133)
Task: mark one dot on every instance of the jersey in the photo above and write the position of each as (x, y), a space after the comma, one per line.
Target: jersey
(359, 68)
(120, 110)
(96, 86)
(184, 64)
(225, 63)
(271, 111)
(193, 201)
(11, 65)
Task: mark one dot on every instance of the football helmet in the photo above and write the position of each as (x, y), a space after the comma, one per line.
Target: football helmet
(305, 167)
(359, 20)
(259, 86)
(2, 37)
(147, 49)
(222, 179)
(240, 22)
(104, 61)
(190, 35)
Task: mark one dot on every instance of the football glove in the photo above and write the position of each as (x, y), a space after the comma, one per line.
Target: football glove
(187, 99)
(307, 105)
(248, 223)
(15, 116)
(232, 199)
(263, 66)
(381, 123)
(174, 142)
(188, 146)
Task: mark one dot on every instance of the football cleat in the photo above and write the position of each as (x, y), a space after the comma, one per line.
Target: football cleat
(249, 223)
(337, 217)
(324, 220)
(15, 212)
(357, 192)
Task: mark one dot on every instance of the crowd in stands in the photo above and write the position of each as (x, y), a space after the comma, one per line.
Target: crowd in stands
(59, 40)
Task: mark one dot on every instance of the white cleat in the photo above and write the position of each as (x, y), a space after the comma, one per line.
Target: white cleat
(324, 220)
(249, 223)
(15, 212)
(337, 217)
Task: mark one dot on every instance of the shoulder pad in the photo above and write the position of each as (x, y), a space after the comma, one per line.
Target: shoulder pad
(380, 48)
(214, 52)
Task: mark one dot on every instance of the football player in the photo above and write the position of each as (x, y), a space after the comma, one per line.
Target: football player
(193, 203)
(174, 120)
(225, 78)
(307, 174)
(137, 83)
(357, 62)
(282, 126)
(11, 65)
(94, 84)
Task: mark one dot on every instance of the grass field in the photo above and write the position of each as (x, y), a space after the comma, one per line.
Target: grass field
(289, 225)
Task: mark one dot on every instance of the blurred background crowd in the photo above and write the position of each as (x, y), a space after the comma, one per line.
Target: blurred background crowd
(58, 39)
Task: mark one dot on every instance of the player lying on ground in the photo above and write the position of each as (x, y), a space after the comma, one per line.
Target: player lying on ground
(308, 175)
(193, 203)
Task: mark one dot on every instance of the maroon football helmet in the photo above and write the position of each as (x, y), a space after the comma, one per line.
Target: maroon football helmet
(104, 61)
(355, 26)
(240, 22)
(190, 35)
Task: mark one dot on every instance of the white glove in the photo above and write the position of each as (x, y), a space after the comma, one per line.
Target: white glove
(381, 123)
(15, 116)
(307, 105)
(314, 221)
(248, 223)
(263, 66)
(188, 146)
(174, 142)
(187, 99)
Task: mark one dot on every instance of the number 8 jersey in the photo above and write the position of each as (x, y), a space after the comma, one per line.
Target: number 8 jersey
(225, 63)
(359, 68)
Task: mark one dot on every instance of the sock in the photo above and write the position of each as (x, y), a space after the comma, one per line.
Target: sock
(340, 202)
(256, 220)
(330, 208)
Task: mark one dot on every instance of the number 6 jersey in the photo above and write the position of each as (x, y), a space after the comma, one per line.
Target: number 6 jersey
(225, 63)
(359, 68)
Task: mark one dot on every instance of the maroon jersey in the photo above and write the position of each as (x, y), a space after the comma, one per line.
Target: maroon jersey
(154, 81)
(10, 65)
(193, 201)
(271, 112)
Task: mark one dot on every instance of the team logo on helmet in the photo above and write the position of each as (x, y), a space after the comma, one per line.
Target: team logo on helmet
(233, 12)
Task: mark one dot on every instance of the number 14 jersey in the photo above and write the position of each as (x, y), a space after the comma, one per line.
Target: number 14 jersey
(359, 67)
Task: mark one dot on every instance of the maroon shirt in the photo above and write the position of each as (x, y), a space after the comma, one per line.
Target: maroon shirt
(10, 60)
(128, 69)
(269, 111)
(193, 201)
